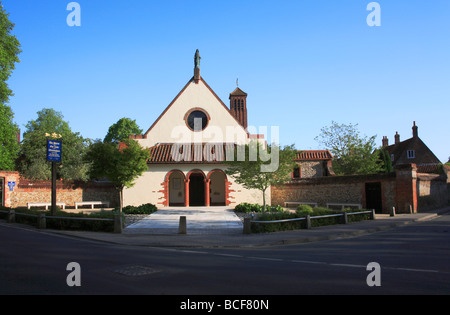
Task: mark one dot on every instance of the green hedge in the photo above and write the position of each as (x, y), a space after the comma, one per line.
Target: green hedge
(253, 207)
(147, 208)
(301, 212)
(66, 224)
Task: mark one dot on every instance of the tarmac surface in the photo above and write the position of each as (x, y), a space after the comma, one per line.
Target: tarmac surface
(234, 237)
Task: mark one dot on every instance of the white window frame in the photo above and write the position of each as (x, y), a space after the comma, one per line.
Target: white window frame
(411, 154)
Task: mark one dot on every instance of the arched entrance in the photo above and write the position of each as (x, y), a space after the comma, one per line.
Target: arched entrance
(176, 188)
(196, 189)
(217, 188)
(196, 180)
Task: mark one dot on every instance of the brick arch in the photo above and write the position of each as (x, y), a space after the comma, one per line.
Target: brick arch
(166, 186)
(227, 184)
(196, 171)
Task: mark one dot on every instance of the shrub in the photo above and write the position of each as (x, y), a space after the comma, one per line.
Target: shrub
(147, 208)
(274, 209)
(248, 207)
(304, 210)
(274, 227)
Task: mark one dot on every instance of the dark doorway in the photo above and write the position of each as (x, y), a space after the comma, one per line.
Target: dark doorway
(196, 190)
(373, 197)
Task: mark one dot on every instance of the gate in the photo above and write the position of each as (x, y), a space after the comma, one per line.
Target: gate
(373, 197)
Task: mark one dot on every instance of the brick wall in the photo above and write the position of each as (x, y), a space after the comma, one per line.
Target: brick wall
(68, 192)
(401, 189)
(433, 190)
(12, 177)
(335, 189)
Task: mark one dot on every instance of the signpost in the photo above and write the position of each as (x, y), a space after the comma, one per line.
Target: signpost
(54, 156)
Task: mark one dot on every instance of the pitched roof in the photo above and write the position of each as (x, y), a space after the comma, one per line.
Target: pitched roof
(313, 155)
(238, 92)
(169, 153)
(423, 155)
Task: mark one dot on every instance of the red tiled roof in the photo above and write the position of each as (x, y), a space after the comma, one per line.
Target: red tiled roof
(313, 155)
(189, 153)
(212, 153)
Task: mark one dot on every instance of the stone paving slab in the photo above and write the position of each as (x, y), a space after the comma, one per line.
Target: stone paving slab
(201, 220)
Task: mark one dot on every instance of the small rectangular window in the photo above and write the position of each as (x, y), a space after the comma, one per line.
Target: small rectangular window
(411, 154)
(296, 173)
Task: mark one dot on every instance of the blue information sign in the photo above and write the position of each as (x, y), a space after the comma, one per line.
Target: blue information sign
(11, 185)
(53, 151)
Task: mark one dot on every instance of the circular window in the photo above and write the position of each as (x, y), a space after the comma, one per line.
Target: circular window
(197, 120)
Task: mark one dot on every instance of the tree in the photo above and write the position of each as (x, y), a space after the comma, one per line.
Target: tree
(260, 168)
(9, 52)
(9, 144)
(121, 130)
(120, 164)
(352, 153)
(33, 155)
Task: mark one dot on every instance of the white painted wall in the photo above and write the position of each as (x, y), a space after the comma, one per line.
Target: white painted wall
(147, 186)
(172, 127)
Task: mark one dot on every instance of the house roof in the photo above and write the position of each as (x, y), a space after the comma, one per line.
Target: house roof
(423, 155)
(169, 153)
(313, 155)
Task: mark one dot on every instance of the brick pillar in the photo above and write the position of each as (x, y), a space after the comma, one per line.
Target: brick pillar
(186, 192)
(207, 181)
(406, 188)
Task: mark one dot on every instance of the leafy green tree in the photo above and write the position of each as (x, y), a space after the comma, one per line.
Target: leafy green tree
(352, 153)
(121, 165)
(259, 168)
(9, 145)
(9, 52)
(33, 156)
(121, 130)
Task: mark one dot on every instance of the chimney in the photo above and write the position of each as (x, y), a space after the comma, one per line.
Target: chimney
(385, 141)
(415, 133)
(397, 137)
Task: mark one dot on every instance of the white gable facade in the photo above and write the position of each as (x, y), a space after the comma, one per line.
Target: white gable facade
(188, 144)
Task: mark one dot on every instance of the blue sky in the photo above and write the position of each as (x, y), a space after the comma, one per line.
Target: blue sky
(302, 63)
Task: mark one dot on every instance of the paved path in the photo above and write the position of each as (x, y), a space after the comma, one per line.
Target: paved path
(201, 220)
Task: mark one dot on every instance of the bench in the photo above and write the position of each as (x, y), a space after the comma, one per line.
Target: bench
(91, 203)
(313, 204)
(45, 204)
(343, 206)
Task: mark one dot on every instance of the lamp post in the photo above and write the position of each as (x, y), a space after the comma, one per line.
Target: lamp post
(54, 156)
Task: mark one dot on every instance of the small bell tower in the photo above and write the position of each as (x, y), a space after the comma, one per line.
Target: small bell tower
(238, 106)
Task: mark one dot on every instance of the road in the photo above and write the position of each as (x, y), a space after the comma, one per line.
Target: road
(414, 259)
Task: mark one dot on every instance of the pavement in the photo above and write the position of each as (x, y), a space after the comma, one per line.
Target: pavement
(234, 238)
(201, 220)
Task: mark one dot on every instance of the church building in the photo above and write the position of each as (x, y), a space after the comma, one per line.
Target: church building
(188, 144)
